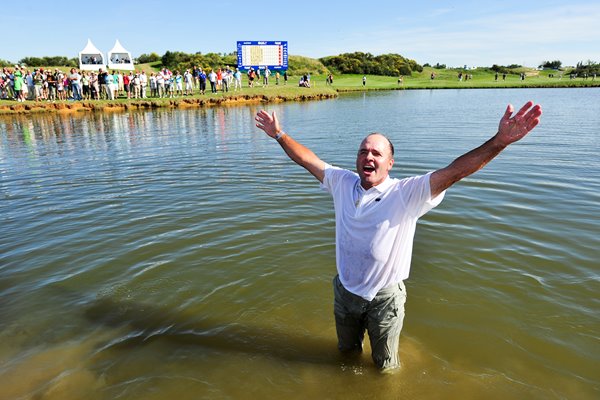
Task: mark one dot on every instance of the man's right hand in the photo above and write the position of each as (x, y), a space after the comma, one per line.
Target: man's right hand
(268, 123)
(297, 152)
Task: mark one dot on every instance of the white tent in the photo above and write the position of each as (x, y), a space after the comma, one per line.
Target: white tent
(119, 58)
(90, 58)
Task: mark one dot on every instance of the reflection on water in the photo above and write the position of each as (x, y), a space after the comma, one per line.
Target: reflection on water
(179, 254)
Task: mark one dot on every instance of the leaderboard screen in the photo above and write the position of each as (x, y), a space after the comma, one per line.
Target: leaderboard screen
(259, 54)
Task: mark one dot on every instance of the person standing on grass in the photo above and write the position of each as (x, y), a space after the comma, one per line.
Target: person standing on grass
(18, 84)
(237, 80)
(110, 94)
(188, 78)
(202, 81)
(178, 81)
(212, 78)
(51, 84)
(160, 83)
(38, 82)
(115, 86)
(375, 220)
(143, 84)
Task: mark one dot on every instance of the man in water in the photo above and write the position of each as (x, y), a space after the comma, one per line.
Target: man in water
(376, 218)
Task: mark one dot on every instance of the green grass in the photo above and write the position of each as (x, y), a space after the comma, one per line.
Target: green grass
(272, 93)
(448, 79)
(445, 79)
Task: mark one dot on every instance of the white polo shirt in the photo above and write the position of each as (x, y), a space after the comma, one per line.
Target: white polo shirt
(375, 228)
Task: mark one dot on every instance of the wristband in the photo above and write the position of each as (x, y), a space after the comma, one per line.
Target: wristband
(279, 135)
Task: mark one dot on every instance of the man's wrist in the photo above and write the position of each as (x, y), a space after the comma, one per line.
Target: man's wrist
(279, 135)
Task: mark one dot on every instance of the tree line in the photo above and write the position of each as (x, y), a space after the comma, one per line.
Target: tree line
(367, 63)
(347, 63)
(36, 62)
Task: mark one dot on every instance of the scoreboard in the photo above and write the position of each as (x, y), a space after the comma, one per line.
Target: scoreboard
(257, 54)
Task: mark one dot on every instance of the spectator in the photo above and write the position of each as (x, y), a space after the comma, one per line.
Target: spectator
(219, 78)
(212, 78)
(38, 82)
(143, 84)
(51, 79)
(109, 83)
(225, 80)
(115, 86)
(188, 78)
(251, 76)
(160, 84)
(85, 85)
(60, 85)
(202, 81)
(237, 79)
(102, 83)
(137, 85)
(127, 84)
(153, 88)
(30, 86)
(18, 82)
(95, 86)
(178, 84)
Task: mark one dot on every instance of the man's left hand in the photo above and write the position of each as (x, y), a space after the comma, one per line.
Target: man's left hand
(512, 129)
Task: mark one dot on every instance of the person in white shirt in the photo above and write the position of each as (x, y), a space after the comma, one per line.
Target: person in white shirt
(376, 218)
(237, 79)
(160, 84)
(143, 84)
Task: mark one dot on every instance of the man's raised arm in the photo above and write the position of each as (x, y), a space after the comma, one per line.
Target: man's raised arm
(300, 154)
(510, 130)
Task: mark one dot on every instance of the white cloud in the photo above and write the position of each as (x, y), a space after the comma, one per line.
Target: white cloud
(569, 33)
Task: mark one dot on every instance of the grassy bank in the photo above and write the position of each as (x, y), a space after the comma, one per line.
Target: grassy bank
(444, 79)
(270, 94)
(448, 79)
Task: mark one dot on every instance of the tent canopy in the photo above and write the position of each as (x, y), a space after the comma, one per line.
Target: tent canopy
(90, 58)
(119, 58)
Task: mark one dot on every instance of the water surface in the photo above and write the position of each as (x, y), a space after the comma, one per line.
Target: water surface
(180, 254)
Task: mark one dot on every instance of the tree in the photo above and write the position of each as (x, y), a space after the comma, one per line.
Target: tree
(148, 58)
(556, 64)
(588, 68)
(58, 61)
(366, 63)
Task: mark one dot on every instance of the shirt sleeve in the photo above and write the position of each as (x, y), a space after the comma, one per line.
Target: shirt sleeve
(328, 178)
(418, 194)
(334, 178)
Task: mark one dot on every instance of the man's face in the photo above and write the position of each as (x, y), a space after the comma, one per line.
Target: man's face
(374, 160)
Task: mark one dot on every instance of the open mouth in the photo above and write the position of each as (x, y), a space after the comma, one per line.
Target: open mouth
(368, 168)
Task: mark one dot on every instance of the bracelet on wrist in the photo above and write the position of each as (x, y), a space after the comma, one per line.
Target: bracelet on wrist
(279, 135)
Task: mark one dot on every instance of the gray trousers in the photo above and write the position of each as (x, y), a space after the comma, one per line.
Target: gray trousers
(381, 317)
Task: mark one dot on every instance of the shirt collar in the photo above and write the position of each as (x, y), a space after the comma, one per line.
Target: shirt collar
(382, 187)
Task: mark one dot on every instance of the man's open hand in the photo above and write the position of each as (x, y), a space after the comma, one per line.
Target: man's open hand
(268, 123)
(515, 128)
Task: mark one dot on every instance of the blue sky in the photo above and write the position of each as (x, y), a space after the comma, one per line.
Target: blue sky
(455, 33)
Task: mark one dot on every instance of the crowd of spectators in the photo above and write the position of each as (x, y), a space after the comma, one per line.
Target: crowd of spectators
(22, 84)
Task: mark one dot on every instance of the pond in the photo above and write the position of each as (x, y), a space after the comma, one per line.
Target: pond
(180, 254)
